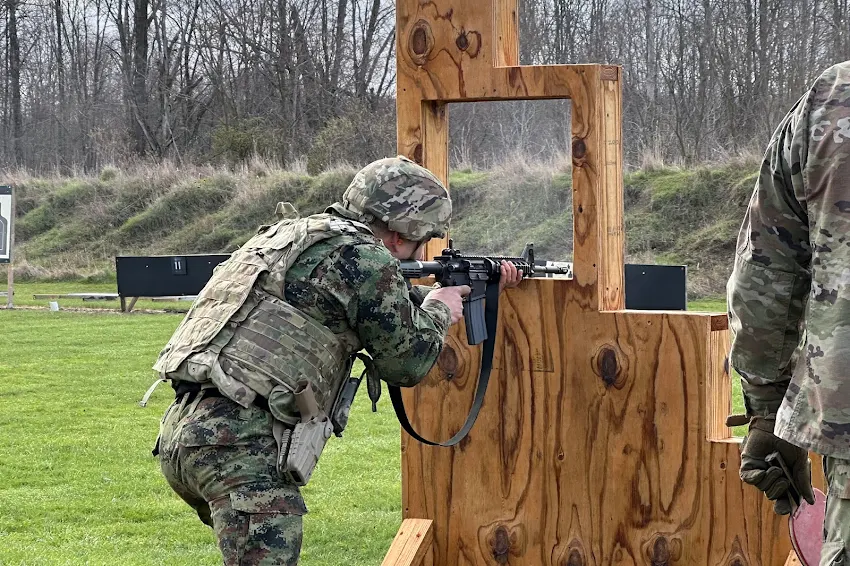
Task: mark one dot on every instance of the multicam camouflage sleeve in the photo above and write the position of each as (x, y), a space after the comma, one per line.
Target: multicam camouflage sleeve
(770, 280)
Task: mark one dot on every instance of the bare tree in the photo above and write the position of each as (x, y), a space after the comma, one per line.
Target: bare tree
(14, 90)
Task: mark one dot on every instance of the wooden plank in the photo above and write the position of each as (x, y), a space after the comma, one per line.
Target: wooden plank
(612, 294)
(507, 33)
(435, 141)
(597, 453)
(718, 387)
(411, 544)
(599, 236)
(601, 438)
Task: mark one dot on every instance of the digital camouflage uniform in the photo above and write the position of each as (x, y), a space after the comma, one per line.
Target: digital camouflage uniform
(219, 452)
(789, 294)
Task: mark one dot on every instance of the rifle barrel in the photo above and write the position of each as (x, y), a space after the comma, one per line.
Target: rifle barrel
(562, 270)
(412, 269)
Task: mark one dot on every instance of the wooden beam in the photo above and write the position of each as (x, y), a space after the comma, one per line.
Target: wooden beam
(434, 155)
(718, 389)
(411, 544)
(507, 33)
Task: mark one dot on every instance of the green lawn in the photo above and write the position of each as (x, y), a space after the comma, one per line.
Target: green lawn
(707, 305)
(24, 291)
(78, 484)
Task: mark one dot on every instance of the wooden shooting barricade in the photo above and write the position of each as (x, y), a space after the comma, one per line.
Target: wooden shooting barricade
(602, 439)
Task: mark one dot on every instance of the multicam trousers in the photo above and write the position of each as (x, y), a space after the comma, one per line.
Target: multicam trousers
(222, 459)
(836, 526)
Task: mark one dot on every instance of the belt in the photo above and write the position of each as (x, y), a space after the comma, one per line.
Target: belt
(182, 388)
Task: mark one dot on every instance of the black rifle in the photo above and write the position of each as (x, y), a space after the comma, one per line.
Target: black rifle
(480, 273)
(480, 312)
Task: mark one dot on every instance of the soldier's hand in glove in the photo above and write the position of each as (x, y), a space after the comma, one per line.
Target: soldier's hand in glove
(771, 479)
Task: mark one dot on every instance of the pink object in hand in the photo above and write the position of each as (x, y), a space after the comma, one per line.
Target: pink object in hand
(806, 526)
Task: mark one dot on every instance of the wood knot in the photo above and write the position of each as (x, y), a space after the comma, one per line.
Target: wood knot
(736, 556)
(420, 43)
(501, 545)
(417, 154)
(462, 41)
(575, 558)
(663, 551)
(607, 367)
(447, 362)
(579, 149)
(660, 552)
(469, 42)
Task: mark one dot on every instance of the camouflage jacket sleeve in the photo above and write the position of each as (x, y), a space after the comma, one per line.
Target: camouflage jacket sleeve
(770, 281)
(402, 338)
(418, 292)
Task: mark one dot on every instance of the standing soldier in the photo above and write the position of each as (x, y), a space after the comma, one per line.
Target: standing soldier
(260, 359)
(789, 308)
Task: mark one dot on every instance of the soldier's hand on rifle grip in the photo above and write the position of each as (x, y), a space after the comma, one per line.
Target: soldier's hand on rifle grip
(452, 297)
(510, 277)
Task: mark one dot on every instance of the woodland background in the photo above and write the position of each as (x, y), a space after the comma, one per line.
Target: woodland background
(89, 83)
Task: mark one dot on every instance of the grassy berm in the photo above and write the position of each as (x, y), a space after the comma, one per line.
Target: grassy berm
(71, 228)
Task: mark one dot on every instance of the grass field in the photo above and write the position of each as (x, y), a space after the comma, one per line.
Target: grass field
(25, 290)
(78, 484)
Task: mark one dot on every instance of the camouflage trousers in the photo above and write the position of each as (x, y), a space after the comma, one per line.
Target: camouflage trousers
(836, 525)
(222, 459)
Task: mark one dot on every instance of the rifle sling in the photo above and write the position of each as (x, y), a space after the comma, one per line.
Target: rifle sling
(491, 317)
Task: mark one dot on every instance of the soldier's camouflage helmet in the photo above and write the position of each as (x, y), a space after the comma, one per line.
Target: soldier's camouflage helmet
(405, 196)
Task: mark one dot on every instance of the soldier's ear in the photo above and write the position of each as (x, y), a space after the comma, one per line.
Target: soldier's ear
(392, 241)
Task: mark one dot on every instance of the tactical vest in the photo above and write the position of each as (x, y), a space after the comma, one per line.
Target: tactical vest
(242, 337)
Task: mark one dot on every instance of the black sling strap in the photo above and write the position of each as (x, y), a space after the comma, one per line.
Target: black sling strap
(491, 317)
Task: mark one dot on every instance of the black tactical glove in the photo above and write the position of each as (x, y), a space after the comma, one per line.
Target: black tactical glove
(758, 467)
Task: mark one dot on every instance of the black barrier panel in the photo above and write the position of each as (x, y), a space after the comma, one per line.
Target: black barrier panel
(166, 275)
(656, 287)
(648, 287)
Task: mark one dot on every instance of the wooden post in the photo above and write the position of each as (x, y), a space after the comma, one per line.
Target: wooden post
(601, 439)
(10, 277)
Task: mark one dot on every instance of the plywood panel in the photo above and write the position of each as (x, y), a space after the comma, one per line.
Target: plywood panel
(446, 54)
(599, 456)
(601, 440)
